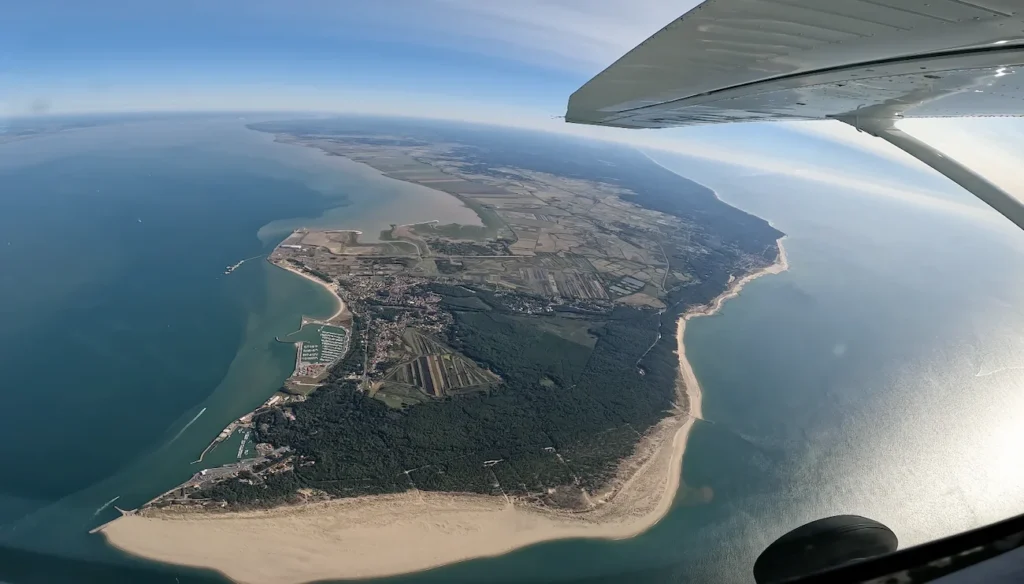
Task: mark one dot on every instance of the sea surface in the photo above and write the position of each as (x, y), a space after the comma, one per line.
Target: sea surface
(882, 375)
(125, 347)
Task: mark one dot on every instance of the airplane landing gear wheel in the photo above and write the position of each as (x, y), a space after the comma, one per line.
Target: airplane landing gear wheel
(823, 544)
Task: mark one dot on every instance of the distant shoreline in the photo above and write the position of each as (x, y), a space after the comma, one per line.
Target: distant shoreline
(349, 538)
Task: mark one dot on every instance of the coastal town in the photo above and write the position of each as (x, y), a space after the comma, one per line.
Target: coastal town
(563, 254)
(532, 364)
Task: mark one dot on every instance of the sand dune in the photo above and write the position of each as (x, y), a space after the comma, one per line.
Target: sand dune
(389, 534)
(359, 537)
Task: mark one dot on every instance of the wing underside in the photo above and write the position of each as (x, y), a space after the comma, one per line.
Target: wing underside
(758, 60)
(868, 63)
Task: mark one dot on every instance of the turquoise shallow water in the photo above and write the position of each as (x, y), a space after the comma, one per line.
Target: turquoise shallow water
(126, 348)
(880, 375)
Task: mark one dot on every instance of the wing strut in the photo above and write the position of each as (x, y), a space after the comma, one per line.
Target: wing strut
(990, 194)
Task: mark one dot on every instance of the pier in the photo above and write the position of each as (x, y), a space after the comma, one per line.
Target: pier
(236, 266)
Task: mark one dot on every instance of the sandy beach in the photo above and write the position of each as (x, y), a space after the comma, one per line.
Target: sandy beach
(332, 288)
(686, 374)
(361, 537)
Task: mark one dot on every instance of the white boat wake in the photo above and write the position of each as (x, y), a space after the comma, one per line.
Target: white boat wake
(190, 422)
(239, 264)
(105, 505)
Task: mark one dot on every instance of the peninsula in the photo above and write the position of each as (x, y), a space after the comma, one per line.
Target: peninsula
(487, 387)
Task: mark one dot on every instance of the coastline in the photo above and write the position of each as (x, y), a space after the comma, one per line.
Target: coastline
(350, 538)
(687, 376)
(329, 287)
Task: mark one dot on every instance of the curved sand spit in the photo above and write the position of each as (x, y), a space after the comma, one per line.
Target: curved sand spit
(393, 534)
(332, 288)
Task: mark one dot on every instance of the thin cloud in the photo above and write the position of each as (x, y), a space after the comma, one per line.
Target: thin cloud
(831, 176)
(989, 146)
(836, 131)
(574, 39)
(579, 34)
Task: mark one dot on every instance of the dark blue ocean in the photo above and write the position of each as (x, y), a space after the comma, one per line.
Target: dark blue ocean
(882, 375)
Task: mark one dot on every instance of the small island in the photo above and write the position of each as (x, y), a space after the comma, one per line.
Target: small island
(516, 381)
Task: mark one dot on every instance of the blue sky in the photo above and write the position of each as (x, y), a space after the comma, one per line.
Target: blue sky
(425, 56)
(512, 63)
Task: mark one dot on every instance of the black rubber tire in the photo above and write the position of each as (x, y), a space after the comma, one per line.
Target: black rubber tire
(823, 544)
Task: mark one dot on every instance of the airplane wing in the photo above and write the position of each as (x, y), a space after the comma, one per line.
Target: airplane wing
(752, 60)
(867, 63)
